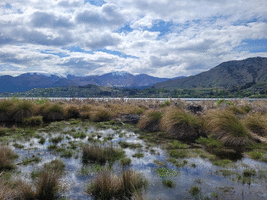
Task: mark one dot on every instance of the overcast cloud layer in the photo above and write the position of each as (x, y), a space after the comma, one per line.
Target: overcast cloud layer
(163, 38)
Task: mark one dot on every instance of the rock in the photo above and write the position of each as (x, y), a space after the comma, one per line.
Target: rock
(195, 108)
(129, 118)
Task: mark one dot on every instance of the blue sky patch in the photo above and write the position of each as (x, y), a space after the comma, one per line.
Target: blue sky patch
(253, 46)
(59, 54)
(95, 2)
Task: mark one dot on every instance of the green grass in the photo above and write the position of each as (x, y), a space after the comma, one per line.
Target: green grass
(165, 172)
(210, 142)
(249, 172)
(18, 146)
(166, 103)
(124, 144)
(168, 183)
(155, 115)
(79, 135)
(56, 140)
(125, 161)
(178, 153)
(183, 118)
(55, 165)
(67, 153)
(138, 155)
(222, 163)
(194, 190)
(32, 160)
(101, 154)
(175, 144)
(42, 140)
(91, 169)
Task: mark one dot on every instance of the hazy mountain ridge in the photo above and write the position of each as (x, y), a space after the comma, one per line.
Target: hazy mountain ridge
(29, 81)
(225, 75)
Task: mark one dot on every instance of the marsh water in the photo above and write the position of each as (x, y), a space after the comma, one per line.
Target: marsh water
(196, 171)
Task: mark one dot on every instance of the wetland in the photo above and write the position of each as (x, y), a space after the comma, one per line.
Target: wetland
(132, 150)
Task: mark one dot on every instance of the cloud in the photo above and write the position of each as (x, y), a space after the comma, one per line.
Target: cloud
(197, 35)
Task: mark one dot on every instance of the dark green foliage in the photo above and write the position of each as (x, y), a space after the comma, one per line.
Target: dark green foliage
(155, 116)
(168, 183)
(194, 190)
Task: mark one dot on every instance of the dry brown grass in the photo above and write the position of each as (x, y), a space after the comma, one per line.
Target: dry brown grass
(256, 123)
(180, 124)
(6, 156)
(109, 186)
(228, 128)
(150, 120)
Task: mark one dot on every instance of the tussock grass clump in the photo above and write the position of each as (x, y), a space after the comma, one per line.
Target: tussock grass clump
(6, 108)
(256, 124)
(180, 124)
(236, 110)
(22, 109)
(72, 112)
(108, 186)
(47, 185)
(101, 115)
(53, 112)
(6, 157)
(3, 131)
(166, 103)
(168, 183)
(150, 121)
(101, 154)
(6, 192)
(55, 165)
(229, 129)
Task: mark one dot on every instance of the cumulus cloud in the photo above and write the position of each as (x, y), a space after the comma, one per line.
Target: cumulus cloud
(36, 34)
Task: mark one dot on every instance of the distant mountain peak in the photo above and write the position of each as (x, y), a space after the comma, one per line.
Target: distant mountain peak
(120, 73)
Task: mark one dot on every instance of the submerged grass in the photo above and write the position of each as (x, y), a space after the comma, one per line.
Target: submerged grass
(101, 154)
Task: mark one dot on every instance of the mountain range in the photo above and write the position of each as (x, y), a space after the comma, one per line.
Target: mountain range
(226, 75)
(29, 81)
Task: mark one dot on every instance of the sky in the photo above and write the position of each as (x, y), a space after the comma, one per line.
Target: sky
(162, 38)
